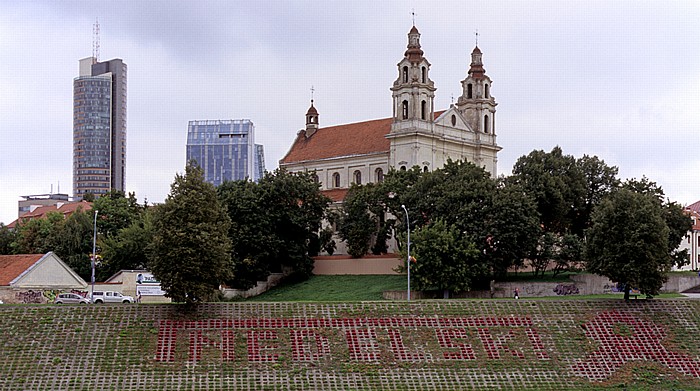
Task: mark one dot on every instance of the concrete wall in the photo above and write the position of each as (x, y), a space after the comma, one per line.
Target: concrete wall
(334, 265)
(580, 284)
(262, 287)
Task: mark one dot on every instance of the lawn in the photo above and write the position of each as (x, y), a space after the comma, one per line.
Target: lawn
(348, 288)
(335, 288)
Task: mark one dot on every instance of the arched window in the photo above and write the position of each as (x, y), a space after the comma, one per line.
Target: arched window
(405, 74)
(423, 110)
(379, 175)
(336, 179)
(314, 177)
(403, 168)
(454, 120)
(469, 91)
(486, 123)
(425, 168)
(404, 109)
(357, 177)
(424, 74)
(486, 90)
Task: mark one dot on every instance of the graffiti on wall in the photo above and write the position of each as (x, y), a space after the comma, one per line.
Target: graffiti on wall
(30, 297)
(562, 289)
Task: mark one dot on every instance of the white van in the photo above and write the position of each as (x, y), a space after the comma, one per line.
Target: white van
(110, 297)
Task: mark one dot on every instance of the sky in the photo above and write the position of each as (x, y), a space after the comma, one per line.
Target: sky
(616, 79)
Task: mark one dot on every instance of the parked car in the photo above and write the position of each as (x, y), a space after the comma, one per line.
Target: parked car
(71, 298)
(110, 297)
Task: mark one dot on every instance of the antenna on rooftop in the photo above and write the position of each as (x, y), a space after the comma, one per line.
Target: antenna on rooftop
(96, 42)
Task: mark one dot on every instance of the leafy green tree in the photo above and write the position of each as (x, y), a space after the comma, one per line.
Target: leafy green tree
(357, 224)
(677, 221)
(600, 180)
(556, 183)
(72, 242)
(128, 249)
(445, 260)
(38, 236)
(512, 228)
(190, 252)
(570, 253)
(8, 238)
(628, 242)
(274, 223)
(116, 211)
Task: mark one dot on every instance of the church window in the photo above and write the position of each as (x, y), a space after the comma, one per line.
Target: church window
(336, 179)
(425, 168)
(403, 168)
(404, 109)
(314, 177)
(423, 109)
(424, 74)
(486, 124)
(486, 90)
(469, 91)
(357, 175)
(454, 120)
(405, 74)
(379, 175)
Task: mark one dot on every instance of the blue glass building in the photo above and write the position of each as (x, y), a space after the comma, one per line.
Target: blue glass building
(225, 150)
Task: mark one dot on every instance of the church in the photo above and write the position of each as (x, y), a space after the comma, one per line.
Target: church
(415, 135)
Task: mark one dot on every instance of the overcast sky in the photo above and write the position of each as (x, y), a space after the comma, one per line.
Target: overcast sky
(616, 79)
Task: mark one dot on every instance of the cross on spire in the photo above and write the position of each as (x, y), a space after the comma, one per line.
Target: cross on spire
(476, 33)
(312, 94)
(413, 14)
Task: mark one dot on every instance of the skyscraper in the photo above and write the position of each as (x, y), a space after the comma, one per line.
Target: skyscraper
(99, 127)
(225, 150)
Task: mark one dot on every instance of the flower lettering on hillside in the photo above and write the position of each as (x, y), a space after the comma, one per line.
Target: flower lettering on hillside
(624, 338)
(363, 339)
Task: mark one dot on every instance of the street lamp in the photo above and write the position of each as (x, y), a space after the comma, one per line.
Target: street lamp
(94, 242)
(408, 258)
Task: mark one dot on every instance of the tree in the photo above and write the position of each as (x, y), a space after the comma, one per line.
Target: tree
(628, 241)
(677, 221)
(190, 252)
(116, 212)
(600, 180)
(556, 183)
(273, 225)
(8, 238)
(444, 259)
(128, 249)
(72, 242)
(512, 228)
(357, 224)
(38, 236)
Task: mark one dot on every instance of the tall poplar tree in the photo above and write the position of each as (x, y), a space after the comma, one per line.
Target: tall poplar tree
(191, 248)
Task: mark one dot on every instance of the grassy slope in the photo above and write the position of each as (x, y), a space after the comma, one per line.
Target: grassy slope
(335, 288)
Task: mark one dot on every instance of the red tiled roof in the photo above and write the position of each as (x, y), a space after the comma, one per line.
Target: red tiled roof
(360, 138)
(694, 207)
(336, 195)
(12, 266)
(65, 208)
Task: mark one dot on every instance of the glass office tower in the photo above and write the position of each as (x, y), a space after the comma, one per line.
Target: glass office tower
(99, 127)
(224, 149)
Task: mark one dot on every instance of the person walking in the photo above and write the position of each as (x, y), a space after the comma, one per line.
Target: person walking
(516, 293)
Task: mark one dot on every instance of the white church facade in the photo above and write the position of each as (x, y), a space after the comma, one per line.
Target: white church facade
(415, 135)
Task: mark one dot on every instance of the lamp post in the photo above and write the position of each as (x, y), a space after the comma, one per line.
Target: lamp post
(408, 257)
(94, 244)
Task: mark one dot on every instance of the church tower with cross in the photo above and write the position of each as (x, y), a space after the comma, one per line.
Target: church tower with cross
(416, 134)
